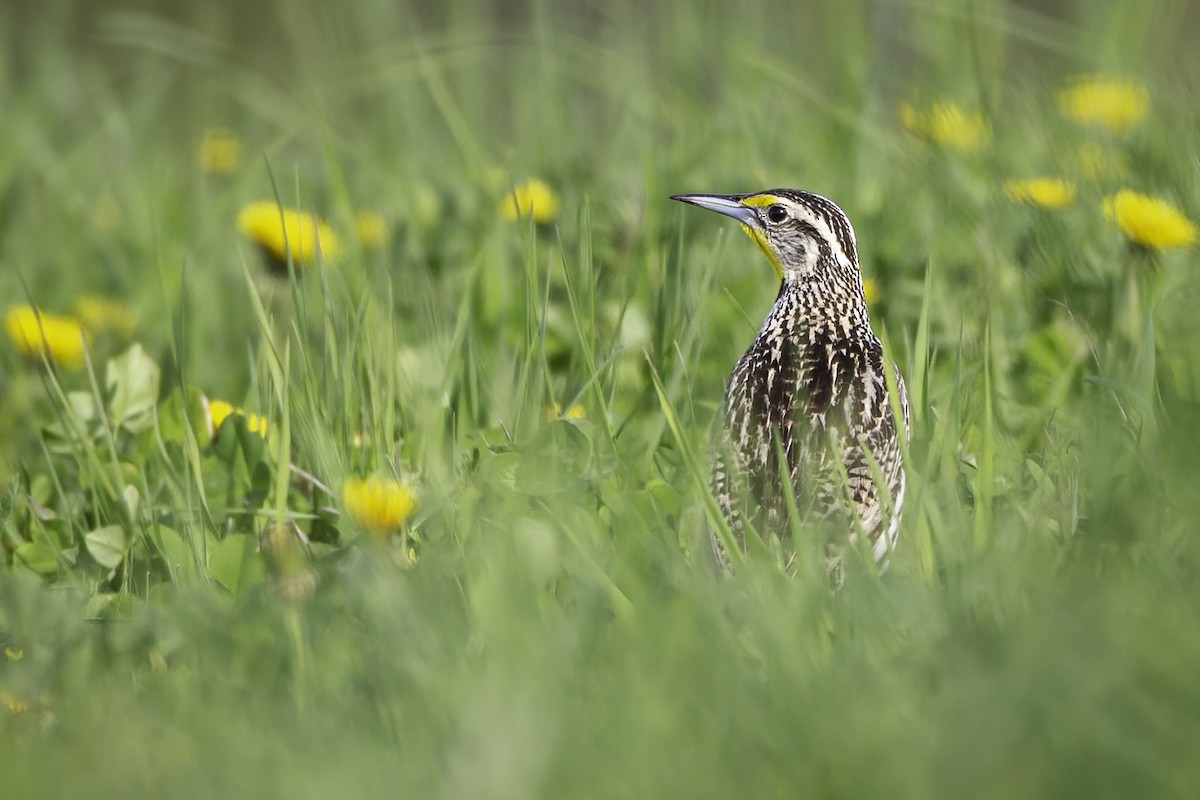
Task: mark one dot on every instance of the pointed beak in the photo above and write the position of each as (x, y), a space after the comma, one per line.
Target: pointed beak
(728, 204)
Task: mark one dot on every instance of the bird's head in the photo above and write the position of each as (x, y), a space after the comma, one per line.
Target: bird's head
(800, 233)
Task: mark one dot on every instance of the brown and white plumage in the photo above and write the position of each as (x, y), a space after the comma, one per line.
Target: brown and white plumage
(812, 384)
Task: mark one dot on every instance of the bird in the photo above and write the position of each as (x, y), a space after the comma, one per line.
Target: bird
(812, 388)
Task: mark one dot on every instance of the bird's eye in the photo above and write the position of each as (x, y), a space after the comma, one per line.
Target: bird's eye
(777, 214)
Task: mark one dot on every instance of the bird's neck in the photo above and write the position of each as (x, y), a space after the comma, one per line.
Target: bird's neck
(808, 306)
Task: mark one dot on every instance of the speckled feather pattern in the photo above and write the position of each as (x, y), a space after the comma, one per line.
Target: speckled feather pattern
(813, 384)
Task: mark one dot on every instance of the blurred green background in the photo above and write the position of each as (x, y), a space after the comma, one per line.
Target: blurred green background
(184, 614)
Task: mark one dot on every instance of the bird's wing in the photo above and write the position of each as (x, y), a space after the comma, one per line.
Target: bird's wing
(873, 460)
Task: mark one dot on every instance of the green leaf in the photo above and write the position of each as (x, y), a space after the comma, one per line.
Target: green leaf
(80, 415)
(132, 381)
(226, 443)
(41, 489)
(181, 561)
(260, 485)
(237, 563)
(107, 545)
(37, 556)
(132, 498)
(106, 605)
(254, 446)
(181, 411)
(665, 496)
(82, 405)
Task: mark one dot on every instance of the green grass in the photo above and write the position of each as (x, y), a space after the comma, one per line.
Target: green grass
(184, 617)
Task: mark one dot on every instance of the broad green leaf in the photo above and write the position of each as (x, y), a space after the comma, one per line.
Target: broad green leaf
(254, 446)
(237, 563)
(80, 415)
(107, 545)
(226, 443)
(180, 411)
(106, 604)
(132, 381)
(132, 498)
(37, 556)
(665, 496)
(181, 561)
(41, 488)
(260, 485)
(82, 406)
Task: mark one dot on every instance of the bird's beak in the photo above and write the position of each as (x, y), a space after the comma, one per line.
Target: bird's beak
(728, 204)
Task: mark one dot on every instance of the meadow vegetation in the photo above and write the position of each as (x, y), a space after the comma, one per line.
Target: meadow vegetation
(357, 377)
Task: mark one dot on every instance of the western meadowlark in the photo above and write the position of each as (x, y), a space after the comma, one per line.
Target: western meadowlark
(811, 387)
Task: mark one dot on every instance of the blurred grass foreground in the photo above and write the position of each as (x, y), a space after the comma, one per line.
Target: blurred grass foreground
(356, 380)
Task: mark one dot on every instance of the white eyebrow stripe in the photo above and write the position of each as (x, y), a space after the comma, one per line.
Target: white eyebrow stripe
(821, 223)
(837, 217)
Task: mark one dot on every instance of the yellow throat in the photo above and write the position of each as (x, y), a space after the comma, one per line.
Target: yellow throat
(760, 236)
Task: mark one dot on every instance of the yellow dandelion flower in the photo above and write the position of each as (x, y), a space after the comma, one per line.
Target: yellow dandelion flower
(910, 118)
(576, 411)
(278, 230)
(220, 151)
(100, 314)
(255, 423)
(1044, 192)
(424, 208)
(14, 705)
(871, 290)
(35, 333)
(372, 230)
(1115, 104)
(533, 198)
(1149, 221)
(14, 653)
(219, 411)
(1097, 162)
(378, 505)
(948, 125)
